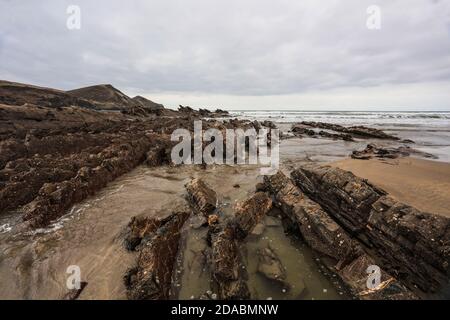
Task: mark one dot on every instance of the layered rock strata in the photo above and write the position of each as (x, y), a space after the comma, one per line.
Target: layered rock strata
(413, 246)
(337, 250)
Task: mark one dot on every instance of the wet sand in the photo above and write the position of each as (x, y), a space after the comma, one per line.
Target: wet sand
(422, 184)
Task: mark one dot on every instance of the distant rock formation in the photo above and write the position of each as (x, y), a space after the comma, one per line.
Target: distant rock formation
(100, 97)
(147, 104)
(374, 151)
(105, 97)
(19, 94)
(355, 131)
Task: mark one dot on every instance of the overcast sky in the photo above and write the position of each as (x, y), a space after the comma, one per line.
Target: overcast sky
(248, 54)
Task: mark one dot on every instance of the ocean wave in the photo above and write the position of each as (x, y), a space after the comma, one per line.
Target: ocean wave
(346, 114)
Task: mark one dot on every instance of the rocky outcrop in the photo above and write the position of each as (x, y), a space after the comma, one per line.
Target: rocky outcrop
(51, 159)
(249, 213)
(226, 263)
(413, 246)
(221, 112)
(54, 155)
(105, 97)
(186, 109)
(315, 225)
(355, 131)
(299, 130)
(19, 94)
(54, 198)
(140, 228)
(302, 130)
(202, 198)
(151, 278)
(147, 104)
(337, 250)
(266, 124)
(160, 151)
(189, 111)
(224, 239)
(374, 151)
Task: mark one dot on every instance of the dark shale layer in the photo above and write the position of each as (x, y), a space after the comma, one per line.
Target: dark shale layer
(413, 246)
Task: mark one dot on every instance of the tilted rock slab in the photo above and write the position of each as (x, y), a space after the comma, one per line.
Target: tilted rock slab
(374, 151)
(224, 238)
(413, 245)
(299, 130)
(343, 255)
(226, 263)
(249, 213)
(202, 198)
(53, 199)
(158, 246)
(357, 131)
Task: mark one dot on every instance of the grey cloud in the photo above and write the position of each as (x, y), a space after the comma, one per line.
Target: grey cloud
(225, 47)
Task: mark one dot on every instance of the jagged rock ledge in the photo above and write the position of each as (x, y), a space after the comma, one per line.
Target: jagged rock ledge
(201, 197)
(224, 237)
(354, 131)
(413, 246)
(374, 151)
(157, 241)
(302, 130)
(225, 234)
(338, 251)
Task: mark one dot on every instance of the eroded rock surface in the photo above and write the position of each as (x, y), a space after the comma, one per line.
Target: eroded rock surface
(355, 131)
(201, 197)
(338, 251)
(158, 241)
(412, 245)
(224, 239)
(374, 151)
(225, 235)
(303, 130)
(249, 213)
(57, 149)
(226, 263)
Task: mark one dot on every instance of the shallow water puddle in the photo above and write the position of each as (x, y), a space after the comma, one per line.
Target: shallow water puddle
(303, 278)
(192, 274)
(302, 274)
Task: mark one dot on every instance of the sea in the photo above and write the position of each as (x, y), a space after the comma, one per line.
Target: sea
(429, 130)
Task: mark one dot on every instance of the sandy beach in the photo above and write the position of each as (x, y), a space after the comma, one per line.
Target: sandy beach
(423, 184)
